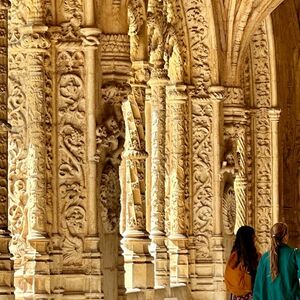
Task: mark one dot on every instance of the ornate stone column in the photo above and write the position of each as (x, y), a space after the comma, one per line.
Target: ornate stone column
(92, 254)
(274, 116)
(216, 94)
(115, 67)
(240, 182)
(136, 241)
(217, 98)
(77, 245)
(236, 119)
(159, 251)
(177, 243)
(261, 125)
(28, 193)
(6, 267)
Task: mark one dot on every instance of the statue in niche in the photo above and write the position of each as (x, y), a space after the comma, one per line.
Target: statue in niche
(230, 161)
(229, 170)
(110, 143)
(173, 59)
(157, 27)
(110, 139)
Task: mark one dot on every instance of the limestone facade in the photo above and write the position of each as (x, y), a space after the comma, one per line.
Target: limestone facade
(137, 137)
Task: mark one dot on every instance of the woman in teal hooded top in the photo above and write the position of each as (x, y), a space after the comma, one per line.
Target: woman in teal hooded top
(278, 271)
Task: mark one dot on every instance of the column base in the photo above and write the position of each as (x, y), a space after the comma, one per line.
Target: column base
(6, 267)
(178, 253)
(139, 269)
(219, 263)
(159, 252)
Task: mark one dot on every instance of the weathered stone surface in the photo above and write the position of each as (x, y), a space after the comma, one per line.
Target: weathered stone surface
(137, 137)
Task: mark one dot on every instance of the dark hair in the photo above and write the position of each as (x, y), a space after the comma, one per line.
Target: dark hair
(244, 246)
(278, 232)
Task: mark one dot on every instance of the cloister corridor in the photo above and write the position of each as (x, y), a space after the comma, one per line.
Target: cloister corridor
(137, 136)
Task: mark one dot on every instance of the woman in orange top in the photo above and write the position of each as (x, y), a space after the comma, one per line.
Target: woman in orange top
(242, 264)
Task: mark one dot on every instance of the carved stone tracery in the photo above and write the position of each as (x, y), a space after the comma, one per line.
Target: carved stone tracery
(78, 169)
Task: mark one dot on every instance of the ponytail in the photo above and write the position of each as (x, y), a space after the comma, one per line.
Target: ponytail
(278, 232)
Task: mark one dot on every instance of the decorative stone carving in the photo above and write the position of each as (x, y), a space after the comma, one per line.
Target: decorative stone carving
(229, 210)
(73, 19)
(71, 159)
(234, 96)
(135, 238)
(158, 83)
(240, 182)
(6, 268)
(110, 143)
(137, 19)
(196, 13)
(261, 67)
(202, 175)
(77, 153)
(262, 137)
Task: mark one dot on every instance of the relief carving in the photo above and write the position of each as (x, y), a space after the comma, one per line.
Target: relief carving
(137, 19)
(261, 66)
(196, 13)
(229, 209)
(73, 15)
(75, 226)
(17, 154)
(71, 158)
(202, 176)
(110, 136)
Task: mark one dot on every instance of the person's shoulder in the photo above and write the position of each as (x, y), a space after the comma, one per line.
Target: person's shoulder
(265, 256)
(287, 248)
(297, 251)
(232, 258)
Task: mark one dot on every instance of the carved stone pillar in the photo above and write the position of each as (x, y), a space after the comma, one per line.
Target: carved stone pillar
(115, 67)
(92, 254)
(235, 117)
(158, 83)
(177, 243)
(240, 182)
(262, 101)
(216, 93)
(135, 238)
(217, 97)
(6, 272)
(240, 188)
(262, 166)
(28, 192)
(274, 115)
(77, 246)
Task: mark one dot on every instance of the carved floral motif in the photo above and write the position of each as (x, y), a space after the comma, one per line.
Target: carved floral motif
(202, 176)
(71, 158)
(263, 158)
(196, 13)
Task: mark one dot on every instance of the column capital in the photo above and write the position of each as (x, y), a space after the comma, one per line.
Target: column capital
(140, 73)
(177, 93)
(159, 76)
(90, 37)
(33, 37)
(274, 114)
